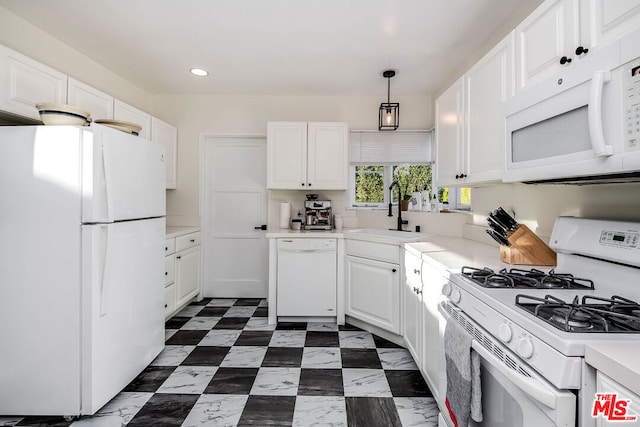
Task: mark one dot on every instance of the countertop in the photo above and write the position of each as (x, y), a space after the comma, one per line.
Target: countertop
(311, 234)
(618, 361)
(180, 231)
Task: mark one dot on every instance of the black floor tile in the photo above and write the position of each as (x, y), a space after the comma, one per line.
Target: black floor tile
(372, 412)
(204, 301)
(186, 337)
(348, 327)
(248, 301)
(407, 384)
(231, 323)
(360, 358)
(261, 312)
(321, 382)
(283, 357)
(268, 411)
(42, 421)
(164, 410)
(232, 381)
(150, 379)
(383, 343)
(212, 312)
(176, 322)
(292, 326)
(256, 338)
(322, 339)
(206, 356)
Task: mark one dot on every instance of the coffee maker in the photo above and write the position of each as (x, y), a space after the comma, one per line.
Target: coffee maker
(318, 215)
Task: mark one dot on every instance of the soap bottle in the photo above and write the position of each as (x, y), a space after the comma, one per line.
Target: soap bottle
(435, 206)
(416, 200)
(425, 199)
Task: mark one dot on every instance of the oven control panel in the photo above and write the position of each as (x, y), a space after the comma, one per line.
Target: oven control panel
(619, 238)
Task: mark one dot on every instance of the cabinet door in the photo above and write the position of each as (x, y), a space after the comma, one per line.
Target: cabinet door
(87, 98)
(412, 305)
(373, 293)
(327, 156)
(127, 113)
(487, 84)
(25, 82)
(169, 300)
(605, 21)
(187, 274)
(607, 385)
(449, 135)
(287, 155)
(433, 362)
(543, 38)
(166, 135)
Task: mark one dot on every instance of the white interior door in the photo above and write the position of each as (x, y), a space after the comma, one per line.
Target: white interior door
(233, 196)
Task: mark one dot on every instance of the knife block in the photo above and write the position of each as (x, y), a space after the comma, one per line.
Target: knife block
(527, 249)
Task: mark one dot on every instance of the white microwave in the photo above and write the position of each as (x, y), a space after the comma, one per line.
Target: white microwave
(583, 126)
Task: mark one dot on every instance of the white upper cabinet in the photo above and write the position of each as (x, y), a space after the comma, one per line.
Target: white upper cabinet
(303, 155)
(87, 98)
(564, 34)
(604, 21)
(470, 121)
(449, 135)
(127, 113)
(488, 84)
(25, 82)
(167, 135)
(327, 156)
(546, 41)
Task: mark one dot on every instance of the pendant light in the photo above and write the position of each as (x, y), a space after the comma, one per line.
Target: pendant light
(389, 114)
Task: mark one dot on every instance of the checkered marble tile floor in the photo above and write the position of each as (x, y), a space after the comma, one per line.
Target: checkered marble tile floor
(224, 365)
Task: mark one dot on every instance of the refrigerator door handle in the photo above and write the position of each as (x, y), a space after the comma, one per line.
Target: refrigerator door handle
(106, 268)
(106, 163)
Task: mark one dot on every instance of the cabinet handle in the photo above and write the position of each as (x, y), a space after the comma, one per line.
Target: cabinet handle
(192, 240)
(166, 273)
(309, 185)
(419, 291)
(302, 184)
(165, 306)
(178, 257)
(393, 270)
(457, 176)
(580, 50)
(415, 270)
(166, 248)
(565, 60)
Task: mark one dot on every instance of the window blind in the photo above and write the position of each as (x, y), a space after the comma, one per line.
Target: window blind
(390, 148)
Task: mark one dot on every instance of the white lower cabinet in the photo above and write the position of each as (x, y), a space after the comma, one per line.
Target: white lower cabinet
(182, 271)
(413, 305)
(607, 386)
(373, 292)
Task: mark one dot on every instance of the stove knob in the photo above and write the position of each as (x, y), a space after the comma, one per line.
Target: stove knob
(524, 348)
(446, 289)
(504, 332)
(455, 296)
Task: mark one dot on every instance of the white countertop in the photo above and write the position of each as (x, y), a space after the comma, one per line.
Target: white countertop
(617, 360)
(180, 231)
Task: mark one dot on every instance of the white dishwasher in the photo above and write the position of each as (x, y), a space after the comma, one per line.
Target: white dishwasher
(306, 282)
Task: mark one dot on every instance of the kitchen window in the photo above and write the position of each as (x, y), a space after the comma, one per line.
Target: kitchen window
(379, 158)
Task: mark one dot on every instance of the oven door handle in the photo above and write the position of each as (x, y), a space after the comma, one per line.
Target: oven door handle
(537, 390)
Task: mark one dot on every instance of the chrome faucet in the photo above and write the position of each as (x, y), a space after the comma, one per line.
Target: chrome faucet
(400, 221)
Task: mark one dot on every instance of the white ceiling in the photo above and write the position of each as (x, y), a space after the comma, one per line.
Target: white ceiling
(274, 47)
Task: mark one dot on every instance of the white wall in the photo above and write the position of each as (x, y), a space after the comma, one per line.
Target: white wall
(248, 115)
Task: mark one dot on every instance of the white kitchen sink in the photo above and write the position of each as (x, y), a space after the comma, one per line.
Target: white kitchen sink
(385, 236)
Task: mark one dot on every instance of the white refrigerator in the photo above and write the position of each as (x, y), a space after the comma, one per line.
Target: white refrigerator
(81, 265)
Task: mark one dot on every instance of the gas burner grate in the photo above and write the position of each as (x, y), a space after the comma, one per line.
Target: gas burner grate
(591, 314)
(523, 279)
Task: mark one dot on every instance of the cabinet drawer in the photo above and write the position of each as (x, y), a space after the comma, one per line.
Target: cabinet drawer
(371, 250)
(169, 246)
(187, 241)
(169, 300)
(169, 269)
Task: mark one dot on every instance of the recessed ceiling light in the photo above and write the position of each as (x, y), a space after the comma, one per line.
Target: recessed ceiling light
(199, 72)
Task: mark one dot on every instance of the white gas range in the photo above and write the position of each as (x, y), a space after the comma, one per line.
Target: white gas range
(538, 362)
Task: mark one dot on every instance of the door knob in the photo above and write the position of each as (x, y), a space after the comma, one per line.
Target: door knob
(565, 60)
(580, 50)
(261, 227)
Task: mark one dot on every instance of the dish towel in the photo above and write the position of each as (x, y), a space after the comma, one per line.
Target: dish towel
(464, 394)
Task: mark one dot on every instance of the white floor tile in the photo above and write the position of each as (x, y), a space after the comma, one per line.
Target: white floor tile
(117, 412)
(221, 302)
(277, 381)
(288, 339)
(244, 357)
(188, 380)
(320, 411)
(365, 383)
(220, 410)
(240, 311)
(173, 355)
(190, 310)
(221, 337)
(396, 358)
(321, 358)
(200, 323)
(322, 327)
(417, 411)
(259, 324)
(356, 339)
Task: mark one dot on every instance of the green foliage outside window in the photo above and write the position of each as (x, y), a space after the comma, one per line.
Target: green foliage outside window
(370, 184)
(411, 178)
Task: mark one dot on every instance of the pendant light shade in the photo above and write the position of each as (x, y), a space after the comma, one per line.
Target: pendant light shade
(389, 114)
